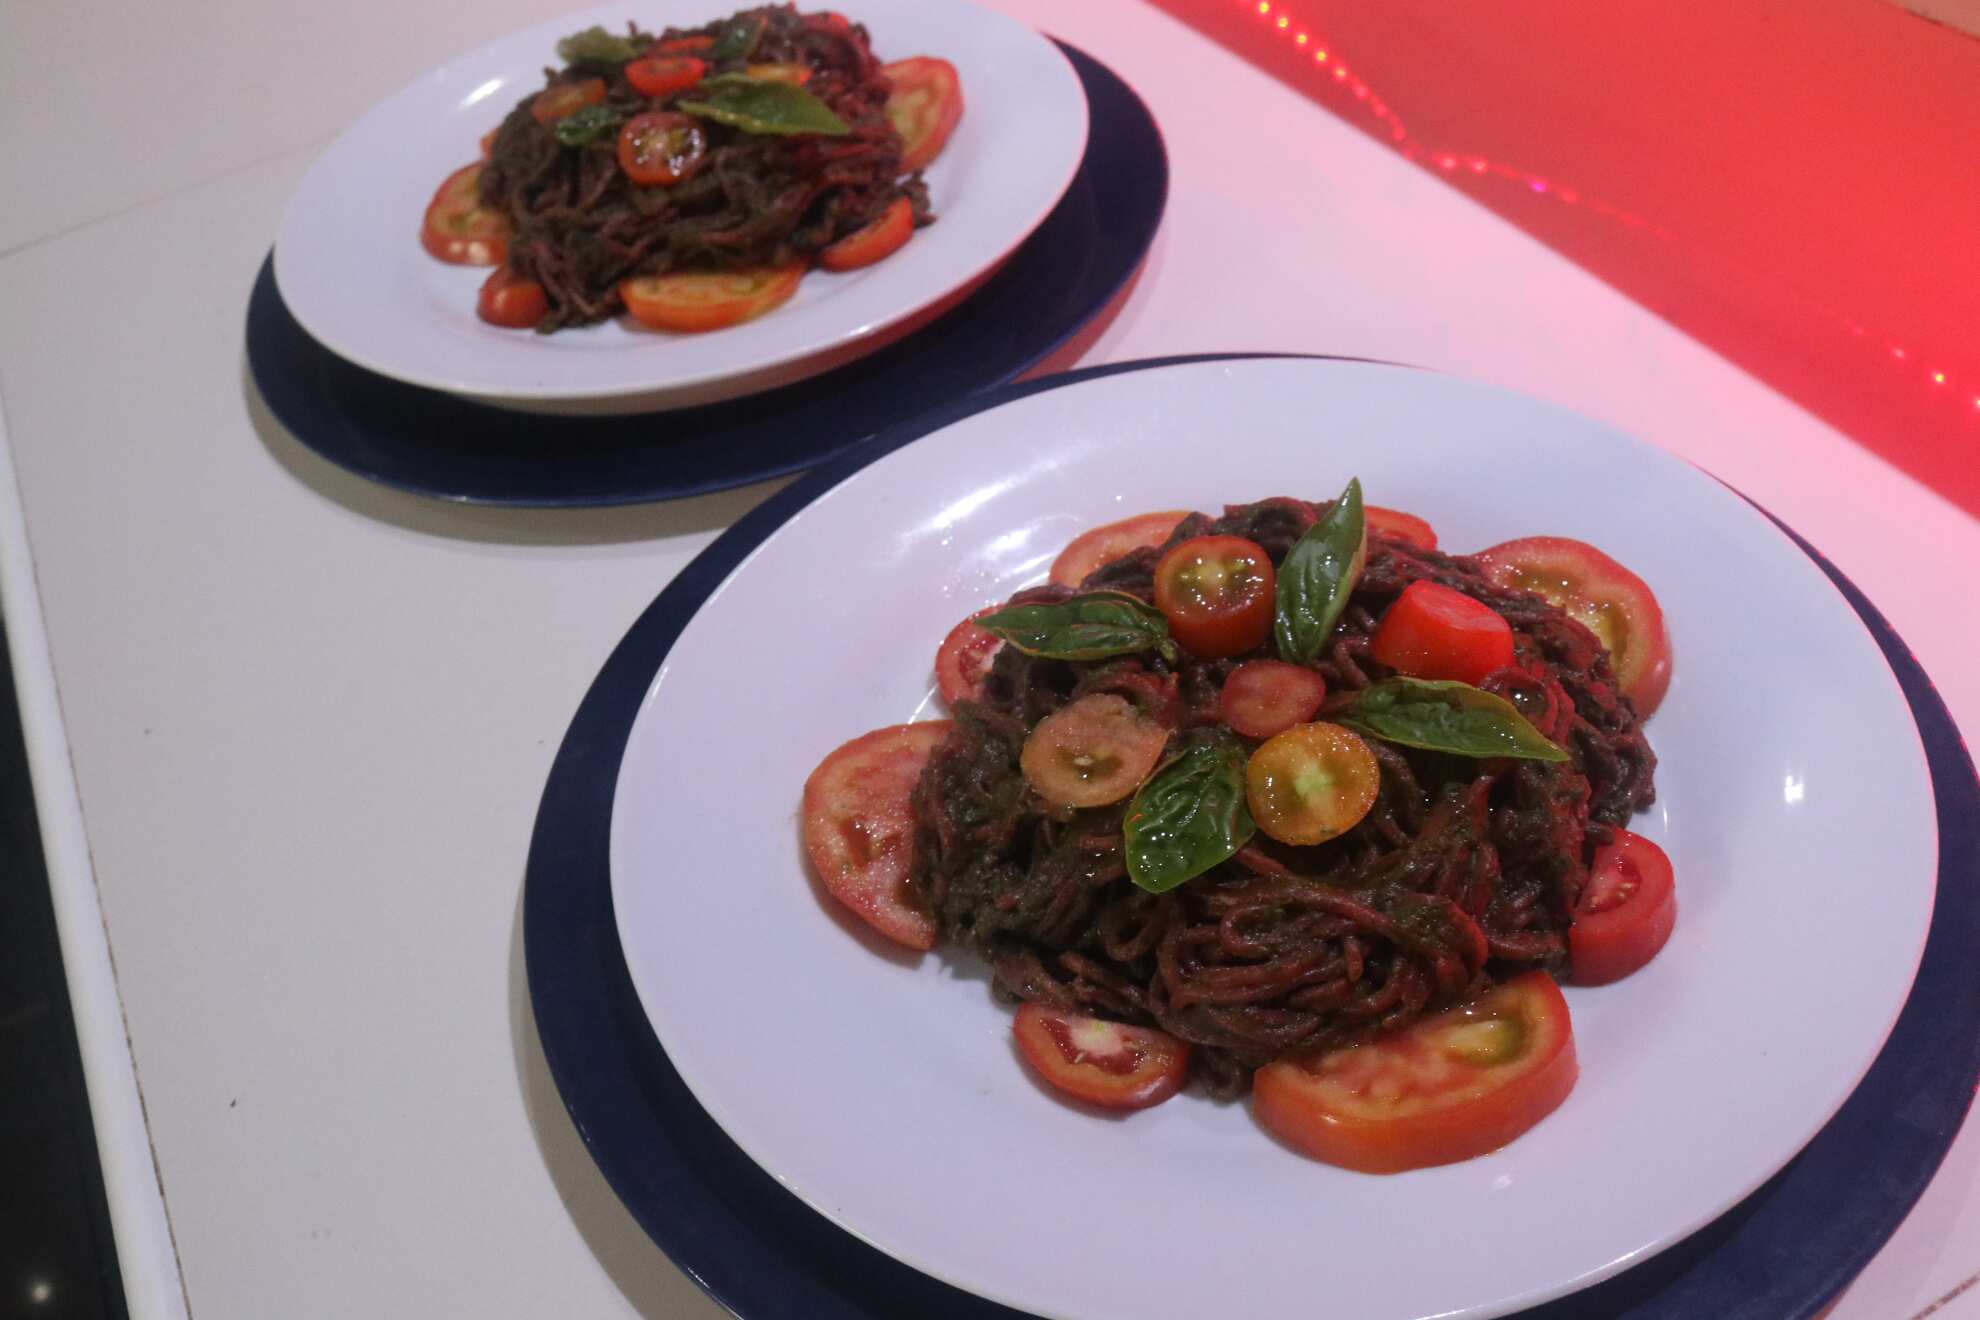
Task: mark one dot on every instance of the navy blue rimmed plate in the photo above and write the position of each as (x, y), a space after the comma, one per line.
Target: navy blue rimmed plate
(1784, 1251)
(436, 444)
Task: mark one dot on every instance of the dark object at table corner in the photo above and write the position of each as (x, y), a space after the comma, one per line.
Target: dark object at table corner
(1783, 1253)
(435, 444)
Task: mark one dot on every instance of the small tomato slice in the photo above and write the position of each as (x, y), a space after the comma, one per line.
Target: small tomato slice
(1311, 783)
(1444, 1089)
(553, 103)
(797, 75)
(924, 105)
(1614, 604)
(1217, 594)
(1095, 751)
(1434, 632)
(458, 228)
(1103, 1063)
(663, 75)
(1263, 698)
(1626, 912)
(882, 238)
(1403, 526)
(694, 301)
(859, 827)
(509, 301)
(1103, 545)
(660, 147)
(681, 45)
(964, 657)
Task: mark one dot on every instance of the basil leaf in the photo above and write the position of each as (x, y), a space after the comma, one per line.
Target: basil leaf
(739, 38)
(1089, 627)
(1190, 816)
(582, 126)
(1442, 716)
(595, 45)
(1317, 576)
(763, 105)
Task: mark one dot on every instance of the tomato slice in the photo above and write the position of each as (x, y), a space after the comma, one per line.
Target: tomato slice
(797, 75)
(882, 238)
(695, 301)
(1434, 632)
(1403, 526)
(924, 105)
(859, 827)
(1615, 604)
(681, 45)
(509, 301)
(661, 147)
(965, 657)
(458, 228)
(553, 103)
(1626, 912)
(1103, 1063)
(1217, 594)
(1095, 751)
(1441, 1090)
(663, 75)
(1103, 545)
(1262, 698)
(1311, 783)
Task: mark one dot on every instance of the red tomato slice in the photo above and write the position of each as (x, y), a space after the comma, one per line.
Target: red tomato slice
(694, 301)
(1403, 526)
(1615, 604)
(663, 75)
(1103, 1063)
(1626, 913)
(1217, 593)
(1311, 783)
(511, 302)
(661, 147)
(923, 107)
(882, 238)
(1103, 545)
(964, 657)
(1266, 697)
(681, 45)
(859, 827)
(458, 228)
(1440, 1090)
(553, 103)
(1095, 751)
(1434, 632)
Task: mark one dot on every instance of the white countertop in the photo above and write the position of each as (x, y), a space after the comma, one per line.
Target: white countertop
(307, 719)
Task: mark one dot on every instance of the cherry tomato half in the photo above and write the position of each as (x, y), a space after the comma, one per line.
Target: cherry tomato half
(1626, 912)
(1311, 783)
(681, 45)
(663, 75)
(1434, 632)
(1103, 545)
(1262, 698)
(1103, 1063)
(694, 301)
(1403, 526)
(964, 657)
(661, 147)
(1615, 604)
(924, 105)
(882, 238)
(458, 228)
(1095, 751)
(508, 301)
(859, 827)
(797, 75)
(1217, 594)
(553, 103)
(1444, 1089)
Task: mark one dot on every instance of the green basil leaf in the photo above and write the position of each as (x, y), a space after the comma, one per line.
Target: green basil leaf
(582, 126)
(1442, 716)
(763, 105)
(739, 38)
(1317, 576)
(1090, 627)
(595, 45)
(1190, 816)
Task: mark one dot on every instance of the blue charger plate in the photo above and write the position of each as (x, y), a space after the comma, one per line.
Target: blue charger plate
(1781, 1254)
(432, 443)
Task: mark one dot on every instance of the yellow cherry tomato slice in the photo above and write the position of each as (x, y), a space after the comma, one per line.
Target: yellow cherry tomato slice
(1311, 783)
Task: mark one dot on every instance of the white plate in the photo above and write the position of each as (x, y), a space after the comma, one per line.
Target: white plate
(881, 1087)
(350, 267)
